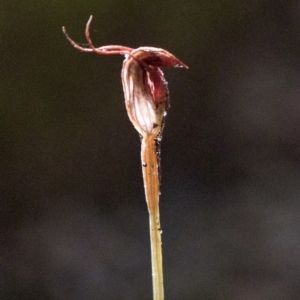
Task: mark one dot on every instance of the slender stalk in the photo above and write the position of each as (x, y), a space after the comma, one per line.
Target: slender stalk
(151, 185)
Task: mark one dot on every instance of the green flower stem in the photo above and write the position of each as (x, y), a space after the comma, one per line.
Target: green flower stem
(151, 184)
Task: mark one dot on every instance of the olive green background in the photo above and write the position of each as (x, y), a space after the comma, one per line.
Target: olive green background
(73, 219)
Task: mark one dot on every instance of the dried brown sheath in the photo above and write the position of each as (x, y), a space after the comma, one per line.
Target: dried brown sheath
(146, 100)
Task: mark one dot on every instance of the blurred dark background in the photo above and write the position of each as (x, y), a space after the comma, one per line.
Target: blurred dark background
(73, 219)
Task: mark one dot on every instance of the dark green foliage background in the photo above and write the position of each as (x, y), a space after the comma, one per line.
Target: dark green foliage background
(73, 219)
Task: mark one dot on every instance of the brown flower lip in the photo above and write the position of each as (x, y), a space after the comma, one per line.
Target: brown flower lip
(145, 88)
